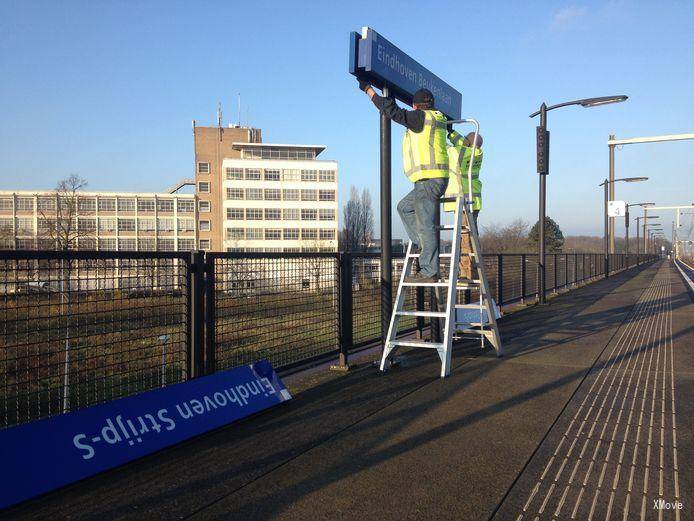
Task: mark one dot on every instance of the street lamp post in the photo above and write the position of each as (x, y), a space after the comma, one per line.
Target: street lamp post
(606, 184)
(542, 136)
(626, 227)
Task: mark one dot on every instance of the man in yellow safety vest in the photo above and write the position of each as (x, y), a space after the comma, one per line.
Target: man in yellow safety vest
(425, 160)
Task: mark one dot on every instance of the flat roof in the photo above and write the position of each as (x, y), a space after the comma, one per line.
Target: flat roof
(317, 148)
(5, 193)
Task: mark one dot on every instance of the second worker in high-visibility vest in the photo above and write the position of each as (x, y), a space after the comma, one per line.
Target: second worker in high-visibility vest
(459, 156)
(425, 162)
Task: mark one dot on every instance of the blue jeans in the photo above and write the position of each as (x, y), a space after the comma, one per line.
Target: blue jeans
(418, 211)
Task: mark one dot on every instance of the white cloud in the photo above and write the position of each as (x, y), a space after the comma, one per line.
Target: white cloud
(566, 16)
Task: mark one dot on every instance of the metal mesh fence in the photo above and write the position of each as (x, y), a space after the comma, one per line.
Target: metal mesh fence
(281, 307)
(79, 329)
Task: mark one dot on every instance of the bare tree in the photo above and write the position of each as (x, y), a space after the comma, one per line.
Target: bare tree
(511, 238)
(358, 221)
(60, 225)
(366, 219)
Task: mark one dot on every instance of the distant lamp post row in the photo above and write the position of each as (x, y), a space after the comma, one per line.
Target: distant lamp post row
(543, 171)
(626, 226)
(606, 183)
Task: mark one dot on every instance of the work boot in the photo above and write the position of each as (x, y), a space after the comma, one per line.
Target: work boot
(419, 277)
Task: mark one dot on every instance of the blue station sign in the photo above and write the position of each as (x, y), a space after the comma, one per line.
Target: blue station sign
(46, 454)
(376, 60)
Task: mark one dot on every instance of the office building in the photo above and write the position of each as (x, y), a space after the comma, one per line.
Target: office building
(255, 196)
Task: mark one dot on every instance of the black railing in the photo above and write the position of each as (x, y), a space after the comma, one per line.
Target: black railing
(81, 328)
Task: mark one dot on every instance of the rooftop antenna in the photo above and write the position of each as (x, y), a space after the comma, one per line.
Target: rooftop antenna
(219, 114)
(239, 104)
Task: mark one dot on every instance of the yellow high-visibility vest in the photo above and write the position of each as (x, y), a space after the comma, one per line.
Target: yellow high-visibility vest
(459, 162)
(424, 154)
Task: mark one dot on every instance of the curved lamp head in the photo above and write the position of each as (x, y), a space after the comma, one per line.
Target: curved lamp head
(605, 100)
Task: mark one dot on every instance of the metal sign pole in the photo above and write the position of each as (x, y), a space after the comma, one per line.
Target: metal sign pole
(386, 227)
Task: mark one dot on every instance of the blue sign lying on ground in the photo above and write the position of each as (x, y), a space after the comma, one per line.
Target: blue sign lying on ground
(46, 454)
(376, 60)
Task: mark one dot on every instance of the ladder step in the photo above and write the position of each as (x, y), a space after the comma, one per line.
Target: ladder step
(440, 314)
(475, 307)
(416, 343)
(443, 255)
(451, 227)
(449, 199)
(427, 284)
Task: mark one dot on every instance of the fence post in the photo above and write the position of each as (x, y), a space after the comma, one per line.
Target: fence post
(210, 317)
(419, 305)
(566, 270)
(556, 272)
(197, 314)
(523, 280)
(499, 279)
(345, 319)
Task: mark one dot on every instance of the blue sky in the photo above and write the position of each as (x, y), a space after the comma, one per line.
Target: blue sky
(107, 90)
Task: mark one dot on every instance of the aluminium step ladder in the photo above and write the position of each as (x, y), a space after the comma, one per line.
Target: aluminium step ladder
(483, 325)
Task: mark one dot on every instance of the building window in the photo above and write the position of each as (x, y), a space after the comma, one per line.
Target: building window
(203, 168)
(235, 233)
(235, 174)
(254, 214)
(273, 194)
(186, 205)
(165, 205)
(86, 243)
(25, 226)
(186, 244)
(145, 205)
(326, 176)
(290, 194)
(309, 195)
(273, 234)
(25, 204)
(234, 214)
(272, 174)
(309, 215)
(46, 204)
(291, 175)
(234, 193)
(326, 214)
(204, 244)
(126, 205)
(146, 244)
(326, 195)
(87, 224)
(292, 250)
(309, 234)
(145, 225)
(107, 225)
(204, 187)
(166, 245)
(165, 224)
(127, 244)
(6, 224)
(254, 194)
(291, 234)
(107, 205)
(309, 175)
(273, 214)
(327, 234)
(186, 225)
(86, 205)
(126, 225)
(6, 203)
(254, 233)
(204, 206)
(252, 174)
(291, 214)
(205, 226)
(107, 244)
